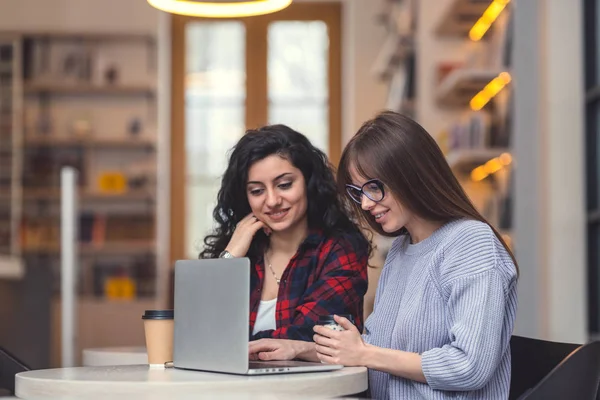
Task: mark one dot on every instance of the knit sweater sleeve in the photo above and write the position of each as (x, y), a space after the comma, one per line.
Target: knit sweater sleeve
(474, 283)
(395, 248)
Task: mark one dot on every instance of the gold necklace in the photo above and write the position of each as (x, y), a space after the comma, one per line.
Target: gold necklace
(272, 271)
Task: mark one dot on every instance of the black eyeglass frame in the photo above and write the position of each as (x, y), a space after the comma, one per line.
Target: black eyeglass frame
(360, 190)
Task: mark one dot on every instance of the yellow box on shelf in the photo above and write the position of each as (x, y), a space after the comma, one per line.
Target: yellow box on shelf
(120, 287)
(112, 182)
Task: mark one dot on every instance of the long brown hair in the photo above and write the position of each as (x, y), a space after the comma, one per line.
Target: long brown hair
(398, 151)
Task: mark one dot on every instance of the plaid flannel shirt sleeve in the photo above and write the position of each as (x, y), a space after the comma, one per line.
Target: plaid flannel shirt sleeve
(340, 289)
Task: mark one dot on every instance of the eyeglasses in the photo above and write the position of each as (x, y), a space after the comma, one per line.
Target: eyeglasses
(373, 189)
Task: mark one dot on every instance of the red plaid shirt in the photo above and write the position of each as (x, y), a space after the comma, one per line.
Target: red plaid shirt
(328, 275)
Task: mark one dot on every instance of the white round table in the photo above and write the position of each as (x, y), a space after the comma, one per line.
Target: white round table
(142, 382)
(105, 356)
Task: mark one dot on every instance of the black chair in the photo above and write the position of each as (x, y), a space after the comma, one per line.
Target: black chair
(9, 367)
(552, 370)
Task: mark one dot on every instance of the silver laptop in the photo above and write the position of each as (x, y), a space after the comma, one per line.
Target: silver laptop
(212, 310)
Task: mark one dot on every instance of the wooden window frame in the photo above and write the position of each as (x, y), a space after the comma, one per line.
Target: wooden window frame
(256, 84)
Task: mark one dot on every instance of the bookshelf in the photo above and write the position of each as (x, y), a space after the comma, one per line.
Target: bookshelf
(460, 17)
(89, 195)
(88, 89)
(119, 248)
(11, 134)
(89, 101)
(89, 143)
(467, 159)
(476, 89)
(461, 84)
(395, 62)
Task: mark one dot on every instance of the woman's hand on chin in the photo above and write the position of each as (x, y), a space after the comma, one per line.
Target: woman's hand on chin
(244, 233)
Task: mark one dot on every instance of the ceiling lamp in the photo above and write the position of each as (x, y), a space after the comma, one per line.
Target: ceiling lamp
(220, 8)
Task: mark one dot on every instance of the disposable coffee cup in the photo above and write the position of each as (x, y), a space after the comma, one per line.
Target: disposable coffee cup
(158, 329)
(329, 322)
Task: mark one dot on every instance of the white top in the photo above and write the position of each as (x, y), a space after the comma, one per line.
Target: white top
(265, 317)
(140, 382)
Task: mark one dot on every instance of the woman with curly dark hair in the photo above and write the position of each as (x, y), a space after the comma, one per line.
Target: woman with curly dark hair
(278, 205)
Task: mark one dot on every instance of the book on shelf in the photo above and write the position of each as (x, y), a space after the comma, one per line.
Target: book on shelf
(124, 279)
(95, 229)
(472, 131)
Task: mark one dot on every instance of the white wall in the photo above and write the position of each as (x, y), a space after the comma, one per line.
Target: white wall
(78, 15)
(362, 94)
(565, 171)
(549, 150)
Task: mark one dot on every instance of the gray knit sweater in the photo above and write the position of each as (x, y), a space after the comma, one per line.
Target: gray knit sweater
(451, 298)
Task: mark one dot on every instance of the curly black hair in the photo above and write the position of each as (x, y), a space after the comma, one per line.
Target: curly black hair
(325, 209)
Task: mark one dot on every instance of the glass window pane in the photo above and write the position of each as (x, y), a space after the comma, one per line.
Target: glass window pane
(298, 87)
(215, 94)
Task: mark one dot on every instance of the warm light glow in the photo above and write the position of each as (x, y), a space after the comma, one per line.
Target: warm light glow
(505, 159)
(478, 101)
(489, 91)
(491, 167)
(487, 19)
(479, 174)
(505, 77)
(220, 10)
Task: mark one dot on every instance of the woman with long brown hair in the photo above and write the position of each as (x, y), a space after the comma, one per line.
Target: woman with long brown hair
(447, 296)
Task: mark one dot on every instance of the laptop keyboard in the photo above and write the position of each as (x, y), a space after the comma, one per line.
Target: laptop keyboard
(279, 364)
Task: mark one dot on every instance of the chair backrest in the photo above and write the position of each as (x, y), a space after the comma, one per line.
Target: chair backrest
(575, 377)
(9, 367)
(532, 360)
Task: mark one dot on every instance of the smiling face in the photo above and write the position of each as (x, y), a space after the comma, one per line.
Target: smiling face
(389, 212)
(276, 193)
